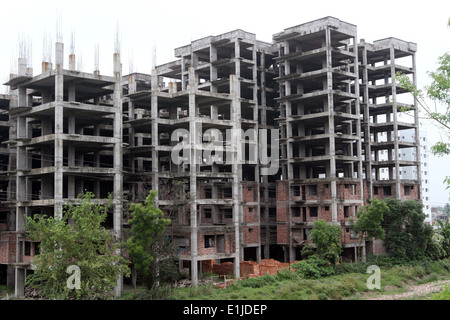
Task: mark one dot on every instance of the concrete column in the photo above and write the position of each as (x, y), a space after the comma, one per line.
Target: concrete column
(332, 146)
(10, 276)
(395, 119)
(359, 146)
(22, 92)
(236, 167)
(263, 89)
(72, 62)
(117, 161)
(213, 69)
(155, 131)
(184, 74)
(20, 282)
(366, 123)
(71, 91)
(255, 85)
(193, 177)
(59, 117)
(363, 252)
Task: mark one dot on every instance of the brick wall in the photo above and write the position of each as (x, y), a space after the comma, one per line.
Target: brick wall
(348, 191)
(282, 190)
(251, 234)
(201, 250)
(413, 193)
(282, 211)
(223, 268)
(282, 234)
(7, 247)
(347, 236)
(249, 193)
(250, 213)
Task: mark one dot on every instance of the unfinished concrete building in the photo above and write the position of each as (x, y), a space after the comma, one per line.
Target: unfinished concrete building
(7, 223)
(199, 130)
(195, 108)
(389, 113)
(320, 130)
(67, 137)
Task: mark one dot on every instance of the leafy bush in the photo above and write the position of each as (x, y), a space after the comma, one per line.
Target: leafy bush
(307, 251)
(313, 268)
(327, 239)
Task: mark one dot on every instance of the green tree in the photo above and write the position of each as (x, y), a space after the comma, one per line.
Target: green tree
(146, 223)
(164, 268)
(443, 230)
(407, 236)
(77, 239)
(369, 220)
(439, 92)
(327, 238)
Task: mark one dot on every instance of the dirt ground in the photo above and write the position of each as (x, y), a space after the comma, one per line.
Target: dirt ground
(415, 291)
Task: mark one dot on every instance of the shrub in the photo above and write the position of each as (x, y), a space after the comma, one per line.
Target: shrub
(307, 251)
(313, 268)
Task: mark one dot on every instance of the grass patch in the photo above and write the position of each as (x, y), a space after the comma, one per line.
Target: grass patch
(4, 290)
(344, 282)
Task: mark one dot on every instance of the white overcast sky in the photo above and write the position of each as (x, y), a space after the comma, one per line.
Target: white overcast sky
(169, 24)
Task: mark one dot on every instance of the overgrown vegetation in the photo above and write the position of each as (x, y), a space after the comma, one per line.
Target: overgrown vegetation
(411, 258)
(148, 250)
(407, 236)
(341, 281)
(369, 220)
(78, 238)
(327, 239)
(5, 290)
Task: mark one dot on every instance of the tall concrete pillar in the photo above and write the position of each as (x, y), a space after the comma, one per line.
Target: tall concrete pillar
(193, 176)
(332, 145)
(155, 131)
(395, 119)
(236, 167)
(59, 130)
(117, 151)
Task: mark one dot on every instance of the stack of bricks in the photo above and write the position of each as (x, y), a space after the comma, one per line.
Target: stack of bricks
(223, 268)
(271, 266)
(248, 269)
(207, 266)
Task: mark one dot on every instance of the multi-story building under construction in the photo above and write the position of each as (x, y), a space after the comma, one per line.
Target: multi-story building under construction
(247, 142)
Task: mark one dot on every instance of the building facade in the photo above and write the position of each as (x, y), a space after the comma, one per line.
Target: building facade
(246, 142)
